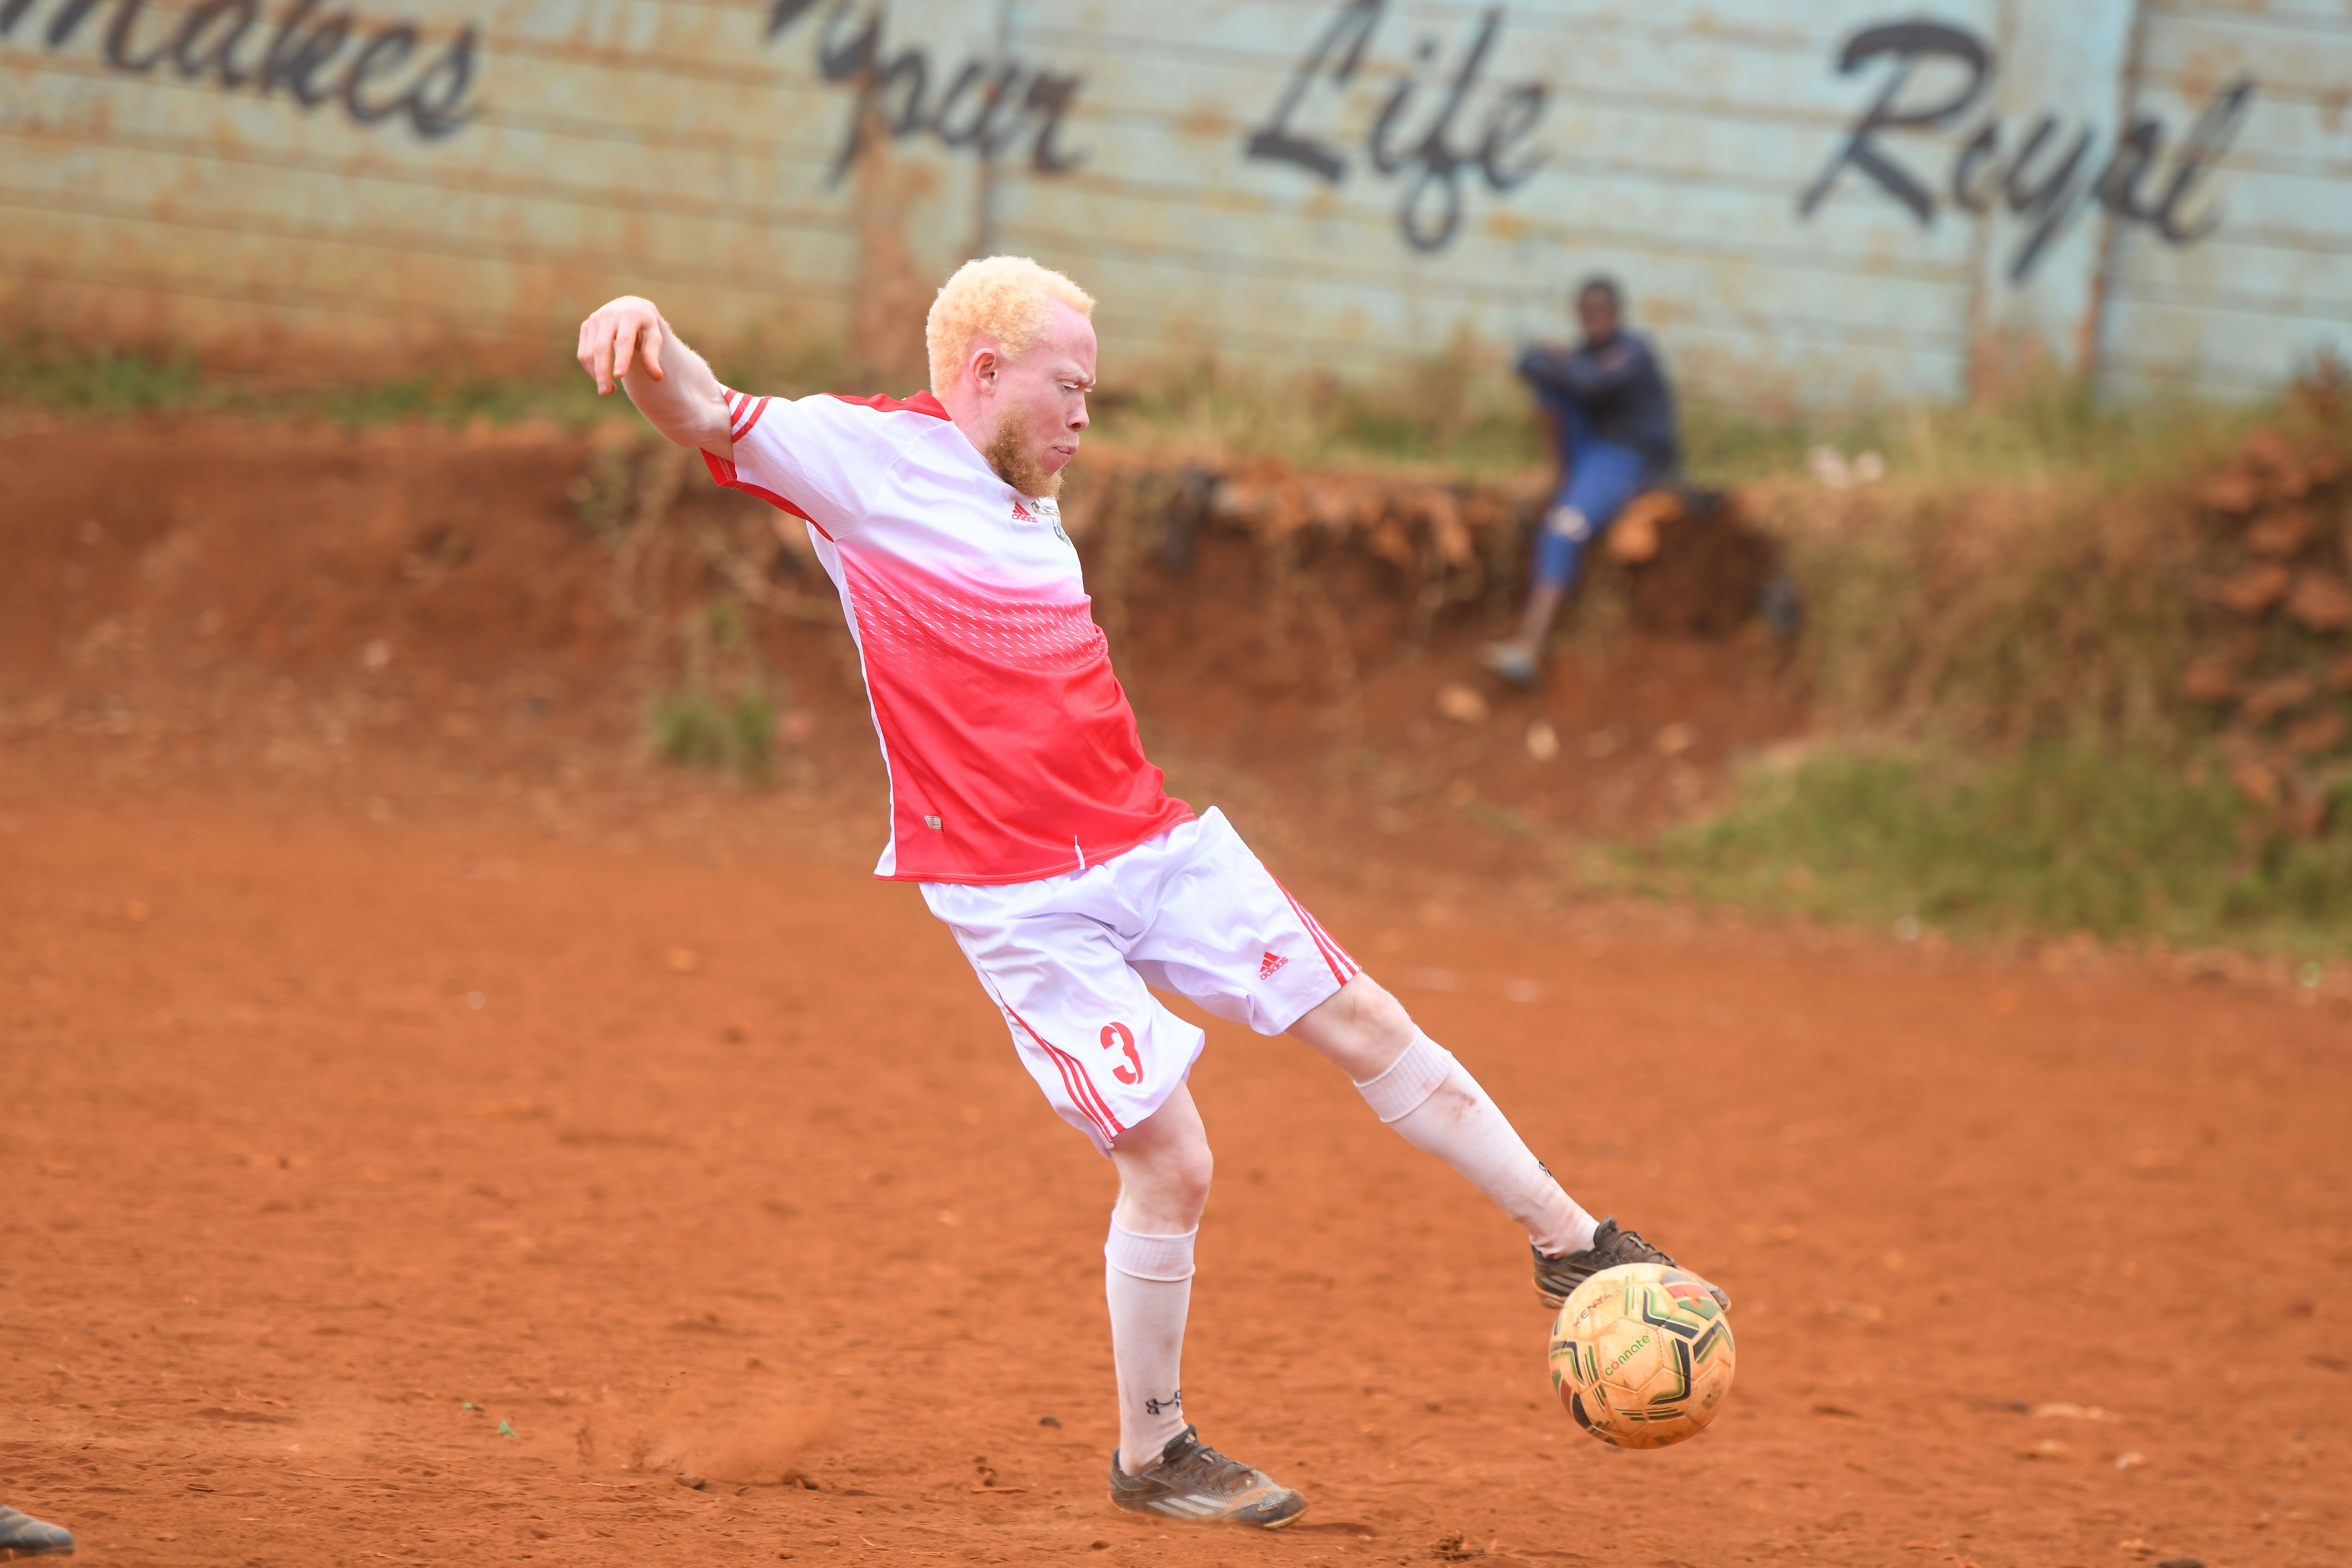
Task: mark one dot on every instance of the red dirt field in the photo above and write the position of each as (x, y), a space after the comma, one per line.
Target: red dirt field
(432, 1129)
(680, 1150)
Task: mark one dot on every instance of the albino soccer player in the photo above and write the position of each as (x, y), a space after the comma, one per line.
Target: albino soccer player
(1022, 804)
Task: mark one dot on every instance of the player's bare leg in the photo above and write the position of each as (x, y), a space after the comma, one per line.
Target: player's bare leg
(1160, 1465)
(1164, 1167)
(1415, 1086)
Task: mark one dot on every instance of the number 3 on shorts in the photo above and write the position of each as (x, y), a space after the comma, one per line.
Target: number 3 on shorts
(1120, 1036)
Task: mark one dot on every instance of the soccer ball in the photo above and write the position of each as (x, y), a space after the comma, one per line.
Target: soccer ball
(1641, 1355)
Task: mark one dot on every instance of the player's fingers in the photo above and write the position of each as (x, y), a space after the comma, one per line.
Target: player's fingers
(624, 348)
(588, 357)
(600, 353)
(608, 356)
(654, 334)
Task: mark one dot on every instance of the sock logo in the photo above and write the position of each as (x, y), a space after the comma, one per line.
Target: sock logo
(1161, 1407)
(1266, 969)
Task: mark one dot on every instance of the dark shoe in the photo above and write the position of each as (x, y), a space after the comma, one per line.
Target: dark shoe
(22, 1535)
(1191, 1480)
(1557, 1278)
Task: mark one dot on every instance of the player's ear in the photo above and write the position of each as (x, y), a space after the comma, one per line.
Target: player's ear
(984, 365)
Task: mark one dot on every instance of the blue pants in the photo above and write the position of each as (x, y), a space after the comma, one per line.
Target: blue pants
(1601, 477)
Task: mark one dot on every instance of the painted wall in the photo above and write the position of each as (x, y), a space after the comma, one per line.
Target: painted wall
(1810, 201)
(2269, 282)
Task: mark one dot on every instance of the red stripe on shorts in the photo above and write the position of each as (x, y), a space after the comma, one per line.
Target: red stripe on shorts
(1332, 943)
(1070, 1087)
(1082, 1093)
(1100, 1112)
(1323, 944)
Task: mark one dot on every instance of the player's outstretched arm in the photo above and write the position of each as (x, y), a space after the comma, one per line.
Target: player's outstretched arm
(627, 343)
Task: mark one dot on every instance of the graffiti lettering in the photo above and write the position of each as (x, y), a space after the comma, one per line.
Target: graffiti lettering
(313, 59)
(2047, 181)
(987, 106)
(1429, 213)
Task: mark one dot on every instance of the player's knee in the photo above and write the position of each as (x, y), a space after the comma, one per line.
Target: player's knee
(1382, 1016)
(1569, 522)
(1186, 1175)
(1164, 1182)
(1380, 1029)
(1361, 1029)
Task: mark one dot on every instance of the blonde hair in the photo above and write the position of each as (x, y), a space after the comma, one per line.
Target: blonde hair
(1003, 296)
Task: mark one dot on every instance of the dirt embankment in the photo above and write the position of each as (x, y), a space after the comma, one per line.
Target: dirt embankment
(205, 593)
(2203, 615)
(2275, 656)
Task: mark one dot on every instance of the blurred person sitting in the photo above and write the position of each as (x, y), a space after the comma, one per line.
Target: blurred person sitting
(22, 1535)
(1610, 416)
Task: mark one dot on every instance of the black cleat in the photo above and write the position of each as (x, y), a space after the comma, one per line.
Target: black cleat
(22, 1535)
(1557, 1278)
(1192, 1481)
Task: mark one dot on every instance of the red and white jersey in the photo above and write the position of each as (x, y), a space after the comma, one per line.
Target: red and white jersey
(1011, 751)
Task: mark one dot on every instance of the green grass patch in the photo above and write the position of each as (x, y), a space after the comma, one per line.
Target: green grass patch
(702, 729)
(109, 383)
(82, 381)
(1460, 410)
(2056, 428)
(720, 714)
(102, 383)
(2056, 838)
(456, 402)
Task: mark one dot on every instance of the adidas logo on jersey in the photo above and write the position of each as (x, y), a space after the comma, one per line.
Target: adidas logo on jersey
(1266, 970)
(1046, 509)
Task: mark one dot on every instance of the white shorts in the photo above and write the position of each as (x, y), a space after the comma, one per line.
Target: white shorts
(1069, 958)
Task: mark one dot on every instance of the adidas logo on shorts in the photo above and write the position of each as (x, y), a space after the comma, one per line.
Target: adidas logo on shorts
(1266, 970)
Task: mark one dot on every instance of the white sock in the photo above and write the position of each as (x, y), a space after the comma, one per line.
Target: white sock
(1148, 1281)
(1438, 1108)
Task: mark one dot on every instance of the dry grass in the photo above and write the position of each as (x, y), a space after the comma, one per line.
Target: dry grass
(2001, 615)
(2055, 838)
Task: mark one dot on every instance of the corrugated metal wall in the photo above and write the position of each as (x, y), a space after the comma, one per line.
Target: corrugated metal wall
(1669, 147)
(2272, 284)
(2161, 189)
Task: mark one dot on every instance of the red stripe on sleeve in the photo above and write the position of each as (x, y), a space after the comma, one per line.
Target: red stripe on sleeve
(743, 411)
(723, 472)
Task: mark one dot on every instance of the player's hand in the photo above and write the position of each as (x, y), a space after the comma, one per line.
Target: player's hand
(617, 337)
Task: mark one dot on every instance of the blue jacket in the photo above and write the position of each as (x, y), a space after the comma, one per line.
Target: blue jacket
(1616, 390)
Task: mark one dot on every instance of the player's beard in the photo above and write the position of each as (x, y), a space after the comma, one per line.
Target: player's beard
(1015, 463)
